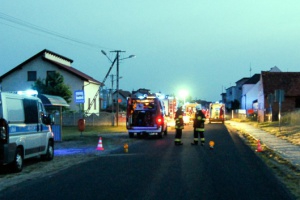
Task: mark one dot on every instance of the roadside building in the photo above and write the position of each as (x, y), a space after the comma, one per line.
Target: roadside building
(41, 65)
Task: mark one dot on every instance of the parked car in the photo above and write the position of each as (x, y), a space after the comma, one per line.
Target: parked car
(24, 130)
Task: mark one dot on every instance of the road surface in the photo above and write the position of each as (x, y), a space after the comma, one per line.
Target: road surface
(157, 169)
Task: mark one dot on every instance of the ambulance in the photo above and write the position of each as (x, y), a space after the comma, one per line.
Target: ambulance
(25, 130)
(216, 112)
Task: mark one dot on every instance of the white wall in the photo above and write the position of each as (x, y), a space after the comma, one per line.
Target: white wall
(249, 94)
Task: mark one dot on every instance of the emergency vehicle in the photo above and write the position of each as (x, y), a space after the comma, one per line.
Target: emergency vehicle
(190, 110)
(170, 108)
(216, 112)
(25, 130)
(146, 115)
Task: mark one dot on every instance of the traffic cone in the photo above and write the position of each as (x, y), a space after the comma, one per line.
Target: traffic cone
(259, 147)
(100, 147)
(126, 148)
(211, 144)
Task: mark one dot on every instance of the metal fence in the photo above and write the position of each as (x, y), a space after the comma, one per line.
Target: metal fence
(103, 119)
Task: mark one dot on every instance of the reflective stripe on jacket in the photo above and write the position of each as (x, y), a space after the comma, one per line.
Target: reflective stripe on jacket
(199, 121)
(179, 120)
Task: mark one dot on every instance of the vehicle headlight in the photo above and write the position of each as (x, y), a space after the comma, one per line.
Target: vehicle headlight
(2, 133)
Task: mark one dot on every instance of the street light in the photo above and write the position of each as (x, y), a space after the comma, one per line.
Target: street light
(118, 59)
(183, 94)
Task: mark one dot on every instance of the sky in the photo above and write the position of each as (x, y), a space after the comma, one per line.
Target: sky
(198, 46)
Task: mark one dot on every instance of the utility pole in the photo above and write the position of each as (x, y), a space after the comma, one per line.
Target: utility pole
(118, 59)
(112, 99)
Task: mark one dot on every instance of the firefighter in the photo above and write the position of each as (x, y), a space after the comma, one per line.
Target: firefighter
(199, 121)
(179, 125)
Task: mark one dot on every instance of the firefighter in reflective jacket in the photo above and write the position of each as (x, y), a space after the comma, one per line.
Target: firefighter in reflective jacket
(179, 125)
(199, 126)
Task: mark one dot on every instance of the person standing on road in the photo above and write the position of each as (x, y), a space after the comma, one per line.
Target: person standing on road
(179, 125)
(199, 121)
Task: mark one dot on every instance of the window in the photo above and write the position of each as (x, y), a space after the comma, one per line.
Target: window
(31, 75)
(92, 102)
(50, 73)
(15, 111)
(31, 111)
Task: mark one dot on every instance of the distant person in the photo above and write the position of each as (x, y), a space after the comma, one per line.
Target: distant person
(179, 125)
(199, 127)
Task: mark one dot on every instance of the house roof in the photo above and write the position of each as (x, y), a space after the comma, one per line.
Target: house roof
(253, 80)
(241, 81)
(64, 67)
(123, 93)
(141, 90)
(287, 81)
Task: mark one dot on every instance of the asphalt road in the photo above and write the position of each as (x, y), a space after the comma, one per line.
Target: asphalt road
(156, 169)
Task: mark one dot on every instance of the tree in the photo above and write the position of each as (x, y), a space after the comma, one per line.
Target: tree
(53, 85)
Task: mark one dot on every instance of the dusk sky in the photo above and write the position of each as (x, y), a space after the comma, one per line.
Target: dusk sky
(200, 46)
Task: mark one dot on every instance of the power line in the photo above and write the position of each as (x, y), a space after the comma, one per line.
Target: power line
(46, 31)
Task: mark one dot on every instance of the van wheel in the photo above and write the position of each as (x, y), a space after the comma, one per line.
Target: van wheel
(50, 152)
(17, 164)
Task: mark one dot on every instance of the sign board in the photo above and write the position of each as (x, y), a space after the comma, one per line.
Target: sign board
(279, 96)
(79, 96)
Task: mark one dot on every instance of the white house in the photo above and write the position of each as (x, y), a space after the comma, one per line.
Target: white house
(46, 62)
(250, 93)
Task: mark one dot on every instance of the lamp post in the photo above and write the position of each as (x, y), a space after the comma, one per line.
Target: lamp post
(118, 61)
(112, 89)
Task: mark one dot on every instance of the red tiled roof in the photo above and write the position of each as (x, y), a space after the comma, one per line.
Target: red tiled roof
(287, 81)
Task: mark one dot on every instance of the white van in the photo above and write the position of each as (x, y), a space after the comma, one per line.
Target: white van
(25, 130)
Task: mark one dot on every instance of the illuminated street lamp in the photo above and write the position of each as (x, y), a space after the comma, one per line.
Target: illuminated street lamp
(183, 94)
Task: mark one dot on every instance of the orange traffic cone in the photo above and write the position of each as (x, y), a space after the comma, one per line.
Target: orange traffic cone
(211, 144)
(100, 147)
(126, 148)
(259, 147)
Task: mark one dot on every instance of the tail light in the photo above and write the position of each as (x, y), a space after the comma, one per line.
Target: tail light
(159, 120)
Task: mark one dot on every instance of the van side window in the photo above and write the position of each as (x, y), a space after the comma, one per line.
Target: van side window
(15, 111)
(31, 111)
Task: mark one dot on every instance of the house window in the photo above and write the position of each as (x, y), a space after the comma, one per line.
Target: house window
(50, 73)
(31, 75)
(92, 102)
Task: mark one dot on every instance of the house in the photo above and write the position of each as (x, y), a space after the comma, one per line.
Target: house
(122, 97)
(250, 93)
(289, 82)
(234, 93)
(23, 76)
